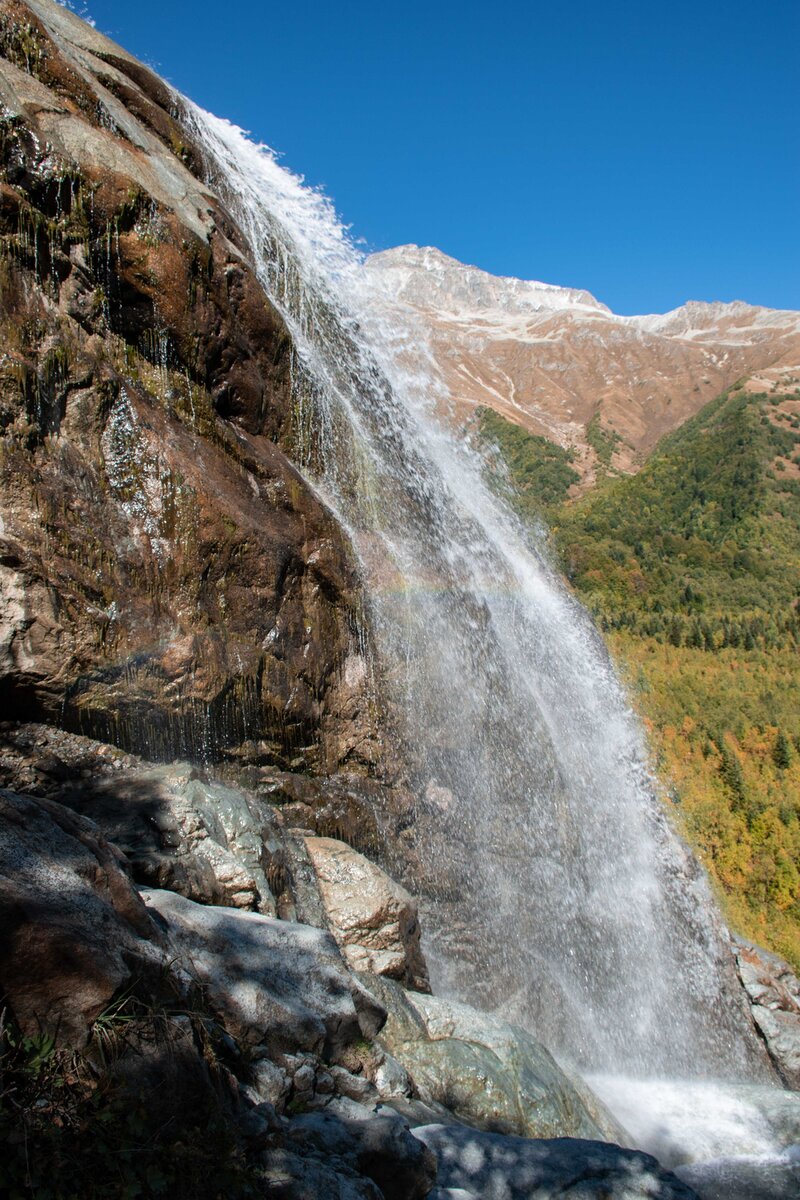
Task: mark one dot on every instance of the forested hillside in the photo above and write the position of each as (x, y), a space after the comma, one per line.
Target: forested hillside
(692, 569)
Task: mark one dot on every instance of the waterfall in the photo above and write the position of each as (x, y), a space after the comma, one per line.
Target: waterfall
(554, 889)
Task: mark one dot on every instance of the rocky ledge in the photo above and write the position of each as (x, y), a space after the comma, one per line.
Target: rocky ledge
(194, 984)
(773, 990)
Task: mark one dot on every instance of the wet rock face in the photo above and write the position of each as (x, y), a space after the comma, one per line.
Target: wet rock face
(168, 582)
(774, 994)
(748, 1177)
(486, 1072)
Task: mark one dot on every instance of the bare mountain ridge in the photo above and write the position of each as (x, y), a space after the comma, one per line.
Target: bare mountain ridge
(559, 363)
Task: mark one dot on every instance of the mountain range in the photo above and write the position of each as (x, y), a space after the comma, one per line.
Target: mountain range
(559, 363)
(224, 825)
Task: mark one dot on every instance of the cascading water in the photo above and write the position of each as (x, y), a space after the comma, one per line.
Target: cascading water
(556, 891)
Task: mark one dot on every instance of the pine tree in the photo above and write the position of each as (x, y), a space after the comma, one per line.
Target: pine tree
(731, 772)
(782, 751)
(676, 632)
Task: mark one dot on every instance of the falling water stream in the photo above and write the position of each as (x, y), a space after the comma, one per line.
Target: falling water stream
(556, 893)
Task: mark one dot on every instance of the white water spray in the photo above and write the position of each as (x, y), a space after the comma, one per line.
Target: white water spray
(555, 890)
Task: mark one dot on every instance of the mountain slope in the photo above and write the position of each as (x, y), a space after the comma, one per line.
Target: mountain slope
(692, 567)
(560, 364)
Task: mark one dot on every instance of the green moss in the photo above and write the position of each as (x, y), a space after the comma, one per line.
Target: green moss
(177, 145)
(21, 44)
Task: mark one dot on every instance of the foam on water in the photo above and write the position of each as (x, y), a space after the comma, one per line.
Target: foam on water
(683, 1121)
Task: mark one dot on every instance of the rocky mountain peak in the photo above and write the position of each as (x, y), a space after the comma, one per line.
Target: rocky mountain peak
(424, 276)
(735, 321)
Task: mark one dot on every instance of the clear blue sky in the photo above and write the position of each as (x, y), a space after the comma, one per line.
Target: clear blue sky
(648, 150)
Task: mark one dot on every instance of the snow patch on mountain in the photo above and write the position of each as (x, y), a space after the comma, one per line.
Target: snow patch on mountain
(427, 278)
(450, 291)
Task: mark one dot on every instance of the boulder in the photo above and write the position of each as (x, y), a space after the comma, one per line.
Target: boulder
(451, 1194)
(218, 844)
(180, 829)
(73, 929)
(310, 1176)
(498, 1167)
(381, 1148)
(374, 920)
(487, 1072)
(270, 1082)
(273, 983)
(773, 990)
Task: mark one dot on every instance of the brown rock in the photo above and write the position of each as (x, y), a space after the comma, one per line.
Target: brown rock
(365, 813)
(168, 581)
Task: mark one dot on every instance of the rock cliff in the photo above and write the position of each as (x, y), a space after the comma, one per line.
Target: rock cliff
(169, 581)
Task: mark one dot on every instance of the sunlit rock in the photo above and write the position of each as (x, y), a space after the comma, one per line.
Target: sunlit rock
(274, 983)
(374, 919)
(774, 993)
